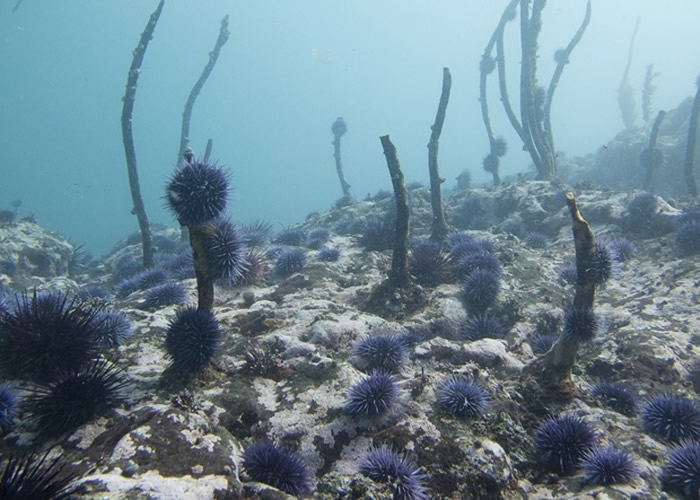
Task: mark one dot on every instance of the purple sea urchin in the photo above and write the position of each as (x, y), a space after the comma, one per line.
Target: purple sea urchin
(483, 325)
(606, 466)
(329, 254)
(428, 262)
(479, 260)
(46, 335)
(192, 339)
(225, 252)
(542, 343)
(373, 395)
(31, 477)
(294, 236)
(672, 417)
(270, 464)
(681, 473)
(563, 442)
(290, 261)
(167, 294)
(536, 240)
(197, 193)
(616, 397)
(141, 281)
(480, 289)
(463, 398)
(113, 327)
(605, 264)
(383, 465)
(580, 323)
(381, 352)
(75, 398)
(8, 407)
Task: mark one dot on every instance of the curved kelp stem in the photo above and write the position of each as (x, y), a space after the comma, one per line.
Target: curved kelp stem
(690, 148)
(339, 128)
(652, 157)
(128, 137)
(554, 367)
(208, 149)
(439, 228)
(194, 93)
(398, 276)
(562, 59)
(486, 67)
(625, 94)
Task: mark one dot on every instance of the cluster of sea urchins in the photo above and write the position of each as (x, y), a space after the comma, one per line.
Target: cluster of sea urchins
(197, 194)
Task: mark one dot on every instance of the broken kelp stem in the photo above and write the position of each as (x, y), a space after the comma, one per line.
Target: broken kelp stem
(207, 150)
(690, 148)
(128, 137)
(199, 235)
(486, 67)
(398, 277)
(559, 360)
(439, 229)
(339, 128)
(562, 59)
(652, 157)
(187, 113)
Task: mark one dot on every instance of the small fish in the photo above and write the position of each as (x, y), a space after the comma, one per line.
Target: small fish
(605, 146)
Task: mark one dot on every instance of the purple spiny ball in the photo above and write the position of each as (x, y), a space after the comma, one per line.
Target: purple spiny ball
(580, 323)
(542, 343)
(75, 398)
(290, 261)
(384, 465)
(192, 339)
(514, 227)
(672, 417)
(463, 398)
(606, 466)
(381, 352)
(480, 289)
(483, 325)
(268, 463)
(562, 442)
(329, 254)
(479, 260)
(568, 274)
(167, 294)
(536, 240)
(373, 395)
(113, 327)
(681, 473)
(141, 281)
(624, 249)
(294, 236)
(428, 262)
(226, 252)
(197, 193)
(616, 397)
(604, 264)
(377, 234)
(8, 407)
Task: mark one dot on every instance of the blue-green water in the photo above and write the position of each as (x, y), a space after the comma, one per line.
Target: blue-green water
(289, 69)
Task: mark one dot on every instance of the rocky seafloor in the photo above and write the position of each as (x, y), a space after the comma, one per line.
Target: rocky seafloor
(288, 359)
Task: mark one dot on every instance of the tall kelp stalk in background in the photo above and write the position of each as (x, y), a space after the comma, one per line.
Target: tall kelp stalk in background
(652, 157)
(127, 135)
(17, 5)
(625, 94)
(692, 140)
(397, 296)
(486, 67)
(439, 227)
(194, 93)
(339, 128)
(534, 127)
(546, 374)
(648, 90)
(398, 277)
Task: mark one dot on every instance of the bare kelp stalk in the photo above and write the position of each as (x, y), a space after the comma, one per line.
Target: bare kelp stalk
(439, 228)
(690, 148)
(652, 157)
(194, 93)
(339, 128)
(127, 135)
